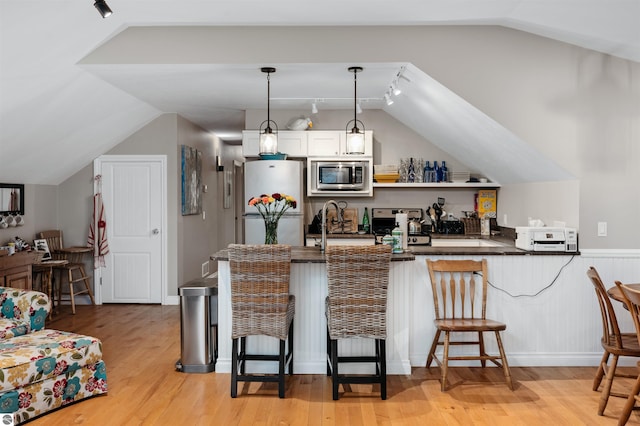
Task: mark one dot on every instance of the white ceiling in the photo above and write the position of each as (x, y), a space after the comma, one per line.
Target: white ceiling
(57, 115)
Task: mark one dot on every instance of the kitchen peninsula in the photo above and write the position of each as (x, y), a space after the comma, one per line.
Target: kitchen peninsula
(529, 292)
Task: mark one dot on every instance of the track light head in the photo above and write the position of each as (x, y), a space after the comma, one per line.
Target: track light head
(102, 8)
(314, 108)
(395, 88)
(388, 99)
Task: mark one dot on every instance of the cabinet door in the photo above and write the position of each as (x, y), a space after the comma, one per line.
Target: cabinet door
(332, 143)
(321, 143)
(250, 143)
(19, 278)
(293, 143)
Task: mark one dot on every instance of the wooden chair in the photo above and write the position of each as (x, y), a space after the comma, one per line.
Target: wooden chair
(460, 306)
(632, 300)
(358, 278)
(260, 305)
(613, 342)
(74, 269)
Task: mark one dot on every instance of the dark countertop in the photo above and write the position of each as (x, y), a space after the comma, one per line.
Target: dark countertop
(359, 236)
(311, 255)
(314, 255)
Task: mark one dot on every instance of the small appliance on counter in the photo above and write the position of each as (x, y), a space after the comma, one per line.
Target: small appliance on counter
(534, 238)
(383, 221)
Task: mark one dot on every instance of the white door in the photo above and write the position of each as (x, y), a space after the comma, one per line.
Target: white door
(134, 195)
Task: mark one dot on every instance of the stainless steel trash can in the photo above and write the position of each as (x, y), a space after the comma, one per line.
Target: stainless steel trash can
(198, 326)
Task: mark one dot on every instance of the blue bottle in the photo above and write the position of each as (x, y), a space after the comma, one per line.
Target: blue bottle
(427, 176)
(445, 172)
(438, 172)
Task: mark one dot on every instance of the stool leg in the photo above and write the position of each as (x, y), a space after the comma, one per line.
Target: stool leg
(281, 362)
(234, 368)
(383, 368)
(71, 292)
(87, 284)
(334, 368)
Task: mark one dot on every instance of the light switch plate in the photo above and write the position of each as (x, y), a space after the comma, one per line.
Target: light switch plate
(602, 229)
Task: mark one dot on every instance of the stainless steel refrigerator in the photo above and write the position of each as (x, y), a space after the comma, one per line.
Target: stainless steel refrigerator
(268, 177)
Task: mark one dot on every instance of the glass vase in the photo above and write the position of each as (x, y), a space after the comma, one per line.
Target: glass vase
(270, 230)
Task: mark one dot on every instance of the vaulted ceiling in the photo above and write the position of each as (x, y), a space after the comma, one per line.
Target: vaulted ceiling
(62, 103)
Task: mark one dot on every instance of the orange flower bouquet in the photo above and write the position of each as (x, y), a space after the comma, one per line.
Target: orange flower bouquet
(271, 208)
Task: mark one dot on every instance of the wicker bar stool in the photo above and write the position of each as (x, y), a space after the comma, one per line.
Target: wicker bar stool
(358, 278)
(260, 305)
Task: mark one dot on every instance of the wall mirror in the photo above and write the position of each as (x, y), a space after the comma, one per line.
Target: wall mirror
(11, 198)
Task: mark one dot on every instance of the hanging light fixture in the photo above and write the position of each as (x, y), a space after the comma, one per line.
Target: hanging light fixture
(355, 136)
(268, 137)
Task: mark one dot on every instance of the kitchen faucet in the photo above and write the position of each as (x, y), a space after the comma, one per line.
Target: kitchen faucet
(323, 243)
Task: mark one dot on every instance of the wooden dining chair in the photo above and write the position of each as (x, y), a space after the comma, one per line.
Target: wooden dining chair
(459, 290)
(613, 341)
(74, 269)
(632, 300)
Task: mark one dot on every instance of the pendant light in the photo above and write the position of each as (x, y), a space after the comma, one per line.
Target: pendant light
(268, 137)
(355, 136)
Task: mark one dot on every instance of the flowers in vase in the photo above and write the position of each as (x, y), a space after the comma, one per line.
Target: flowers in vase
(273, 206)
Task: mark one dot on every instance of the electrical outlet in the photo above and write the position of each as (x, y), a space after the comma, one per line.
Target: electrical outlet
(205, 269)
(602, 229)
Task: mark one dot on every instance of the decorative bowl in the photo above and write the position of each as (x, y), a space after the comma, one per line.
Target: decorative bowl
(276, 156)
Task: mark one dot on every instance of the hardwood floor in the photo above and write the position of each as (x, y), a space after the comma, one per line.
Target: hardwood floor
(141, 344)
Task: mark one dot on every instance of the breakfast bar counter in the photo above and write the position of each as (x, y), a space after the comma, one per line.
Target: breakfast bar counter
(528, 291)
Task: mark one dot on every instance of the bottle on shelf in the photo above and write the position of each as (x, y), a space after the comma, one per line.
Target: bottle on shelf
(398, 236)
(445, 172)
(365, 221)
(411, 175)
(437, 171)
(427, 175)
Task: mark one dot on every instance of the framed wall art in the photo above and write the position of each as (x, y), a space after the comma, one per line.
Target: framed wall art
(191, 180)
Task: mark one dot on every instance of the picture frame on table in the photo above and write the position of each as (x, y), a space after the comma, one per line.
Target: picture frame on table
(42, 246)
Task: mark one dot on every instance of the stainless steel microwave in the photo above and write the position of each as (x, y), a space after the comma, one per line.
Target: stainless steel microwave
(340, 175)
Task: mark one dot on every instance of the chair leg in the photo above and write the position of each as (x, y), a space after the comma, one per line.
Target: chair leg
(243, 353)
(628, 406)
(234, 368)
(608, 382)
(328, 353)
(445, 362)
(483, 362)
(600, 373)
(382, 357)
(291, 348)
(505, 364)
(71, 292)
(334, 368)
(434, 346)
(281, 362)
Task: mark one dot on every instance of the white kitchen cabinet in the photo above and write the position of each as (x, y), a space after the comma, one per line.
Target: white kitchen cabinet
(328, 143)
(291, 142)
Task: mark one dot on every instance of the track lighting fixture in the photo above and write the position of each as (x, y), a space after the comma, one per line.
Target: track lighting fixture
(102, 8)
(355, 137)
(268, 137)
(395, 88)
(388, 99)
(358, 108)
(314, 108)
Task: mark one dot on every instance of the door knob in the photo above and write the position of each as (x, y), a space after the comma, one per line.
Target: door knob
(156, 231)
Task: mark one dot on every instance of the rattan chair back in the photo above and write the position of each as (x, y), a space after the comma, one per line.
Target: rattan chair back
(358, 279)
(260, 290)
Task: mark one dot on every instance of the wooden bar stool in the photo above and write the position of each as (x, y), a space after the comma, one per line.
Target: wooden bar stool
(74, 269)
(260, 305)
(356, 307)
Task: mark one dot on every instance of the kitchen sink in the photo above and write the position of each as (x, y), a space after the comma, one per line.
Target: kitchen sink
(464, 242)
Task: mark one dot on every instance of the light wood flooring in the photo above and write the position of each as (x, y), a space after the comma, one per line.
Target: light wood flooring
(141, 344)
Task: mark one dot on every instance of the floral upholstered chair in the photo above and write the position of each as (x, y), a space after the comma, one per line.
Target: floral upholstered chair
(43, 369)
